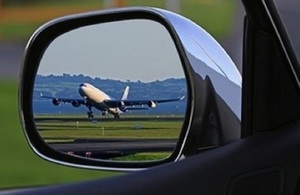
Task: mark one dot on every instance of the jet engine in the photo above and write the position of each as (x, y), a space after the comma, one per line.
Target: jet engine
(75, 103)
(56, 101)
(152, 104)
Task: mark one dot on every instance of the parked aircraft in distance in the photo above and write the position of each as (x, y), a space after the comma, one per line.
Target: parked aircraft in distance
(94, 97)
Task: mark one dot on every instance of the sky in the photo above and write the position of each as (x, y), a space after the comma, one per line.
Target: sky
(124, 50)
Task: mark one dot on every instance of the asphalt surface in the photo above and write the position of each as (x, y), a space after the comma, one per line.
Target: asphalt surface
(10, 59)
(11, 53)
(108, 148)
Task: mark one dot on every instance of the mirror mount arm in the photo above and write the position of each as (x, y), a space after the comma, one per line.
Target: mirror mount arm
(270, 71)
(205, 127)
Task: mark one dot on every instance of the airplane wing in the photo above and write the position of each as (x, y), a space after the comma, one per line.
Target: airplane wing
(131, 103)
(56, 101)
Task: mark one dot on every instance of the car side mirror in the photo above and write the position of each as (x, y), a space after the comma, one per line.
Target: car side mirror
(178, 89)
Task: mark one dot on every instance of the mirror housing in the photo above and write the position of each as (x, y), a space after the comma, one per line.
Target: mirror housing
(213, 111)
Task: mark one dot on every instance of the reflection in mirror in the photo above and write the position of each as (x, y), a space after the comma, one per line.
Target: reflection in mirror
(111, 91)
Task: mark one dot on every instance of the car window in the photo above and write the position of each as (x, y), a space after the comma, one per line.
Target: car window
(290, 14)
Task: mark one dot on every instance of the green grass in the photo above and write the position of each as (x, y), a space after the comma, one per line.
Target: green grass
(17, 31)
(60, 3)
(215, 16)
(19, 165)
(64, 128)
(56, 129)
(143, 156)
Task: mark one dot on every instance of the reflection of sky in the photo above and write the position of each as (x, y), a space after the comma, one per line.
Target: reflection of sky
(200, 44)
(127, 50)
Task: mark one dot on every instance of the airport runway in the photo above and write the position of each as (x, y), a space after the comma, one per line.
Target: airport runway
(109, 148)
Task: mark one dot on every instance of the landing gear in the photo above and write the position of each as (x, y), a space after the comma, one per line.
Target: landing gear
(90, 113)
(116, 116)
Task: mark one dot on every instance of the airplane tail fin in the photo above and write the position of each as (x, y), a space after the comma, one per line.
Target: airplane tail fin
(125, 94)
(124, 97)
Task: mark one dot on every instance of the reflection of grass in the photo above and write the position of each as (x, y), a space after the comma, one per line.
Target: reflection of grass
(143, 156)
(66, 128)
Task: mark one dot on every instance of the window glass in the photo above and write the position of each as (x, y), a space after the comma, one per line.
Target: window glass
(290, 14)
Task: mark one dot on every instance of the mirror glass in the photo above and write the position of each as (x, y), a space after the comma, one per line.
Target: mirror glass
(112, 91)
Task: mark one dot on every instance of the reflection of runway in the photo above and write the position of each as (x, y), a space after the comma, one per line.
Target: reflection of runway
(136, 118)
(108, 148)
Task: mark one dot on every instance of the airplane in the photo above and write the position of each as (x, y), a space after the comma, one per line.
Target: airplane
(94, 97)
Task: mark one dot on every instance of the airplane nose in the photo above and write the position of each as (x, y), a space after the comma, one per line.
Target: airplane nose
(81, 89)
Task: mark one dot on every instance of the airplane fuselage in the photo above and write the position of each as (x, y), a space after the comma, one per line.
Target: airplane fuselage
(96, 98)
